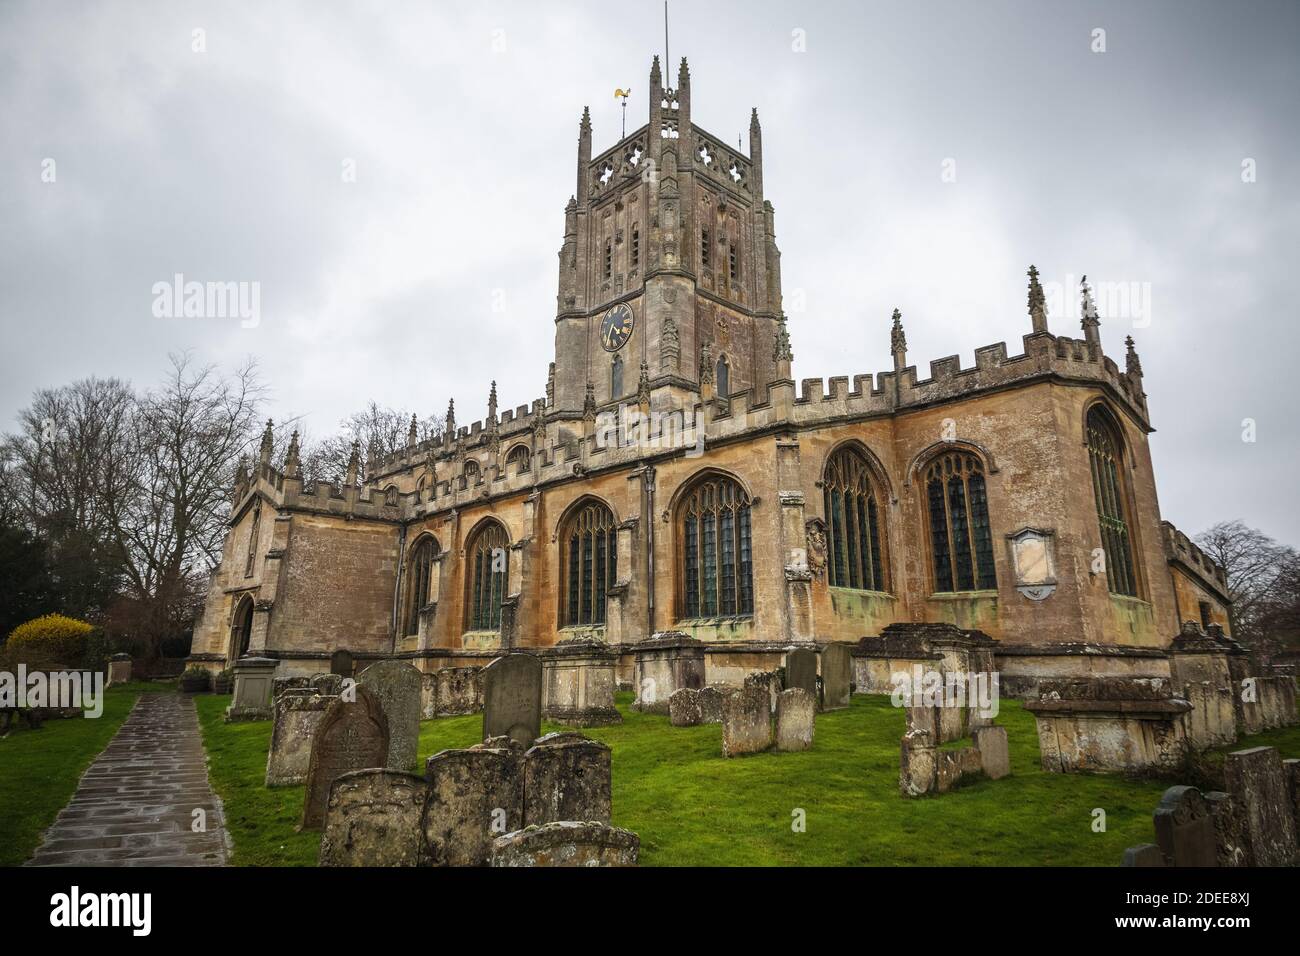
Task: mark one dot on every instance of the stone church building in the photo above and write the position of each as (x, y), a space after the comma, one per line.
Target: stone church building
(676, 484)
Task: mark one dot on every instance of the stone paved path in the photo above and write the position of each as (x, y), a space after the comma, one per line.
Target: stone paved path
(134, 806)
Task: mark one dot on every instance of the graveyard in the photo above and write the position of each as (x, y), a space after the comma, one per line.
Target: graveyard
(835, 804)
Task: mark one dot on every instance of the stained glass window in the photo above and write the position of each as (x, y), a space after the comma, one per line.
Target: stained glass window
(854, 558)
(591, 543)
(717, 553)
(1108, 488)
(961, 539)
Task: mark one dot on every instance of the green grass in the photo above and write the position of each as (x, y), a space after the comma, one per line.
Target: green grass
(691, 806)
(40, 769)
(261, 820)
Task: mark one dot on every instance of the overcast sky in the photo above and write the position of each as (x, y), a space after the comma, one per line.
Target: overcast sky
(460, 121)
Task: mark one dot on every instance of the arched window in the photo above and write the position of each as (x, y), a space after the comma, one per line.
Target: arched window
(716, 569)
(854, 557)
(471, 472)
(961, 542)
(616, 378)
(420, 571)
(1109, 491)
(588, 552)
(487, 558)
(723, 378)
(520, 459)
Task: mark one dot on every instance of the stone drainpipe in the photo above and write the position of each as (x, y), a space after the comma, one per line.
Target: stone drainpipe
(650, 547)
(397, 588)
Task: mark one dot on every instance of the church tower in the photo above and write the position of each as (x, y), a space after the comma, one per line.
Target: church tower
(669, 259)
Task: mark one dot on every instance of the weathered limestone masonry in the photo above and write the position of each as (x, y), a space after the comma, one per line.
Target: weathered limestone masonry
(1215, 694)
(676, 496)
(1253, 824)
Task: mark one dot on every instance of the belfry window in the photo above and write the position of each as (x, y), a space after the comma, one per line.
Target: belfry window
(519, 460)
(616, 378)
(716, 567)
(854, 557)
(961, 541)
(589, 551)
(723, 378)
(487, 559)
(609, 258)
(1109, 493)
(636, 246)
(417, 586)
(733, 264)
(704, 248)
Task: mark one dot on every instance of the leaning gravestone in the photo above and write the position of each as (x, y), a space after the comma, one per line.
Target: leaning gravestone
(373, 819)
(351, 736)
(746, 721)
(341, 663)
(475, 795)
(837, 674)
(567, 843)
(1255, 780)
(796, 712)
(566, 777)
(297, 713)
(397, 686)
(512, 698)
(1185, 828)
(684, 708)
(801, 669)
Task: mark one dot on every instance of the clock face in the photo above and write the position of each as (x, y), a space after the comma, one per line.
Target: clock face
(616, 327)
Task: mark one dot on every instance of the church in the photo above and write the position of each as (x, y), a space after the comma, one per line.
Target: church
(675, 486)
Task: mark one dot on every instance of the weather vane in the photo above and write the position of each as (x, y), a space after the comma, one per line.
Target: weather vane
(621, 94)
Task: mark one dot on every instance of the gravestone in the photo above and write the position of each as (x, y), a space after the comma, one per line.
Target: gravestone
(351, 736)
(1144, 854)
(796, 712)
(684, 708)
(328, 684)
(396, 684)
(710, 701)
(475, 795)
(770, 681)
(567, 777)
(297, 714)
(1229, 832)
(667, 662)
(512, 698)
(837, 675)
(746, 721)
(119, 669)
(1185, 828)
(801, 669)
(459, 691)
(918, 767)
(567, 843)
(341, 663)
(1255, 780)
(428, 695)
(254, 678)
(995, 754)
(373, 819)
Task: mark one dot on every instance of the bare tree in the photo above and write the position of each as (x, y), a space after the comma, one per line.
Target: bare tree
(1257, 571)
(378, 432)
(171, 487)
(59, 475)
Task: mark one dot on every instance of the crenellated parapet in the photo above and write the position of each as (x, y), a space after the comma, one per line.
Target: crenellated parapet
(1182, 550)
